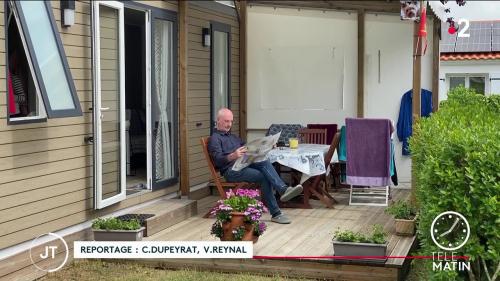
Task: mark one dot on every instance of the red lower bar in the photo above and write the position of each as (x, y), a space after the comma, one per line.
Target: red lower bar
(361, 257)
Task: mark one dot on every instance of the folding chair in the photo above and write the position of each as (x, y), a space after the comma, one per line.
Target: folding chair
(331, 130)
(287, 131)
(316, 136)
(313, 185)
(368, 160)
(217, 179)
(321, 191)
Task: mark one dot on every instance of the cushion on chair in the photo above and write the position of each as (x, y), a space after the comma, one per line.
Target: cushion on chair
(287, 131)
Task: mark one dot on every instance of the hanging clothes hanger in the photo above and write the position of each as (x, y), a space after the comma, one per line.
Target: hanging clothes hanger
(11, 13)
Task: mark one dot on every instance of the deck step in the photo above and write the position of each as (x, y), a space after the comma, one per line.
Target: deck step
(167, 212)
(200, 193)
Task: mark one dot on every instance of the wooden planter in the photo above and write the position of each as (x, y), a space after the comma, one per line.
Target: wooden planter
(359, 250)
(405, 227)
(118, 235)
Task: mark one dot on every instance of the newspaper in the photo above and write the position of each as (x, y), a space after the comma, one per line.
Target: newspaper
(256, 151)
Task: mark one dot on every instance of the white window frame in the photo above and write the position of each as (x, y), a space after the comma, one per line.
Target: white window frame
(226, 3)
(44, 106)
(42, 115)
(467, 76)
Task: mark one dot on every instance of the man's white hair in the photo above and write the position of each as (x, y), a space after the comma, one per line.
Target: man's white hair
(222, 112)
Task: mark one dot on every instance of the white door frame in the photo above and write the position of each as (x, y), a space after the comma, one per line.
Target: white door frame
(100, 203)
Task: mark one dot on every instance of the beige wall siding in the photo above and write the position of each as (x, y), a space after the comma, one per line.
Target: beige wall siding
(46, 168)
(46, 179)
(198, 97)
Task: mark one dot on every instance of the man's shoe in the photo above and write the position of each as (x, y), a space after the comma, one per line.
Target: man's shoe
(291, 192)
(282, 219)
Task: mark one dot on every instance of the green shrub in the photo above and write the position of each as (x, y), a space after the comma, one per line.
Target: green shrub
(401, 210)
(456, 157)
(378, 236)
(116, 224)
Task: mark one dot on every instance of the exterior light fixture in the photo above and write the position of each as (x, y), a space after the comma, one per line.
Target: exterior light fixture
(205, 40)
(68, 12)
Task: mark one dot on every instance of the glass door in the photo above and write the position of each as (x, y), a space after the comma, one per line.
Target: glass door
(108, 102)
(164, 99)
(221, 67)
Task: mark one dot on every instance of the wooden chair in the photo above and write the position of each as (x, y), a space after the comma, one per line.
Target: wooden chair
(217, 179)
(313, 185)
(316, 188)
(287, 131)
(331, 130)
(316, 136)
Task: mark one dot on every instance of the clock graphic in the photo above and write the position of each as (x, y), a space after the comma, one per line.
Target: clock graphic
(450, 230)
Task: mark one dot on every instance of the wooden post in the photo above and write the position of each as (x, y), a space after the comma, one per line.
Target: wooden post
(361, 63)
(243, 68)
(417, 68)
(435, 63)
(183, 120)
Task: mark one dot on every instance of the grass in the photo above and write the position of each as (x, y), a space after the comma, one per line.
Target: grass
(90, 270)
(129, 271)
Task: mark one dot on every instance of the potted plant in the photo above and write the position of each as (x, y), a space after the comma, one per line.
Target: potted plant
(258, 230)
(113, 229)
(349, 243)
(238, 216)
(405, 216)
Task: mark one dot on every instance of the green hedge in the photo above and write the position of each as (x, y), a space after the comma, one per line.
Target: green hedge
(456, 156)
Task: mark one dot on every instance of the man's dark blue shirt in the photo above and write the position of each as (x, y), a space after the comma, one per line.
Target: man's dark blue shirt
(222, 144)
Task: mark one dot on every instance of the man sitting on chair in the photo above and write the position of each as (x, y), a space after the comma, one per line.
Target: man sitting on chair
(225, 148)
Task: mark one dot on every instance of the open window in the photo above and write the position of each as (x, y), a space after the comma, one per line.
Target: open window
(39, 83)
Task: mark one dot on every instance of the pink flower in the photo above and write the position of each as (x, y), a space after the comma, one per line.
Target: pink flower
(251, 193)
(240, 200)
(229, 193)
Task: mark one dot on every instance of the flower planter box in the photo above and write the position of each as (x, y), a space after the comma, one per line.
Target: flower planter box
(118, 235)
(405, 227)
(360, 249)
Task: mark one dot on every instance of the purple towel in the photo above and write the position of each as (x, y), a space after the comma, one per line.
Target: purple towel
(331, 130)
(368, 151)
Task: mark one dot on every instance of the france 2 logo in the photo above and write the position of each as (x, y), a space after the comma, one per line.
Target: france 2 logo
(461, 30)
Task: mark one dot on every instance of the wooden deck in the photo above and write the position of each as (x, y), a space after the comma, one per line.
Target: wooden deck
(309, 234)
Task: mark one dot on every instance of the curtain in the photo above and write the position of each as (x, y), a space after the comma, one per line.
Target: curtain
(163, 89)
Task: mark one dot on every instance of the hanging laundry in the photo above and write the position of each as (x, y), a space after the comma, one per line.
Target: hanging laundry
(404, 126)
(13, 109)
(342, 156)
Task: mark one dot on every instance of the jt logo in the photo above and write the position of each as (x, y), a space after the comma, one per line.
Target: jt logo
(46, 255)
(43, 252)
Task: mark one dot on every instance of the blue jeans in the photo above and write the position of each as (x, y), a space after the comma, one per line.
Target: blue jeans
(265, 175)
